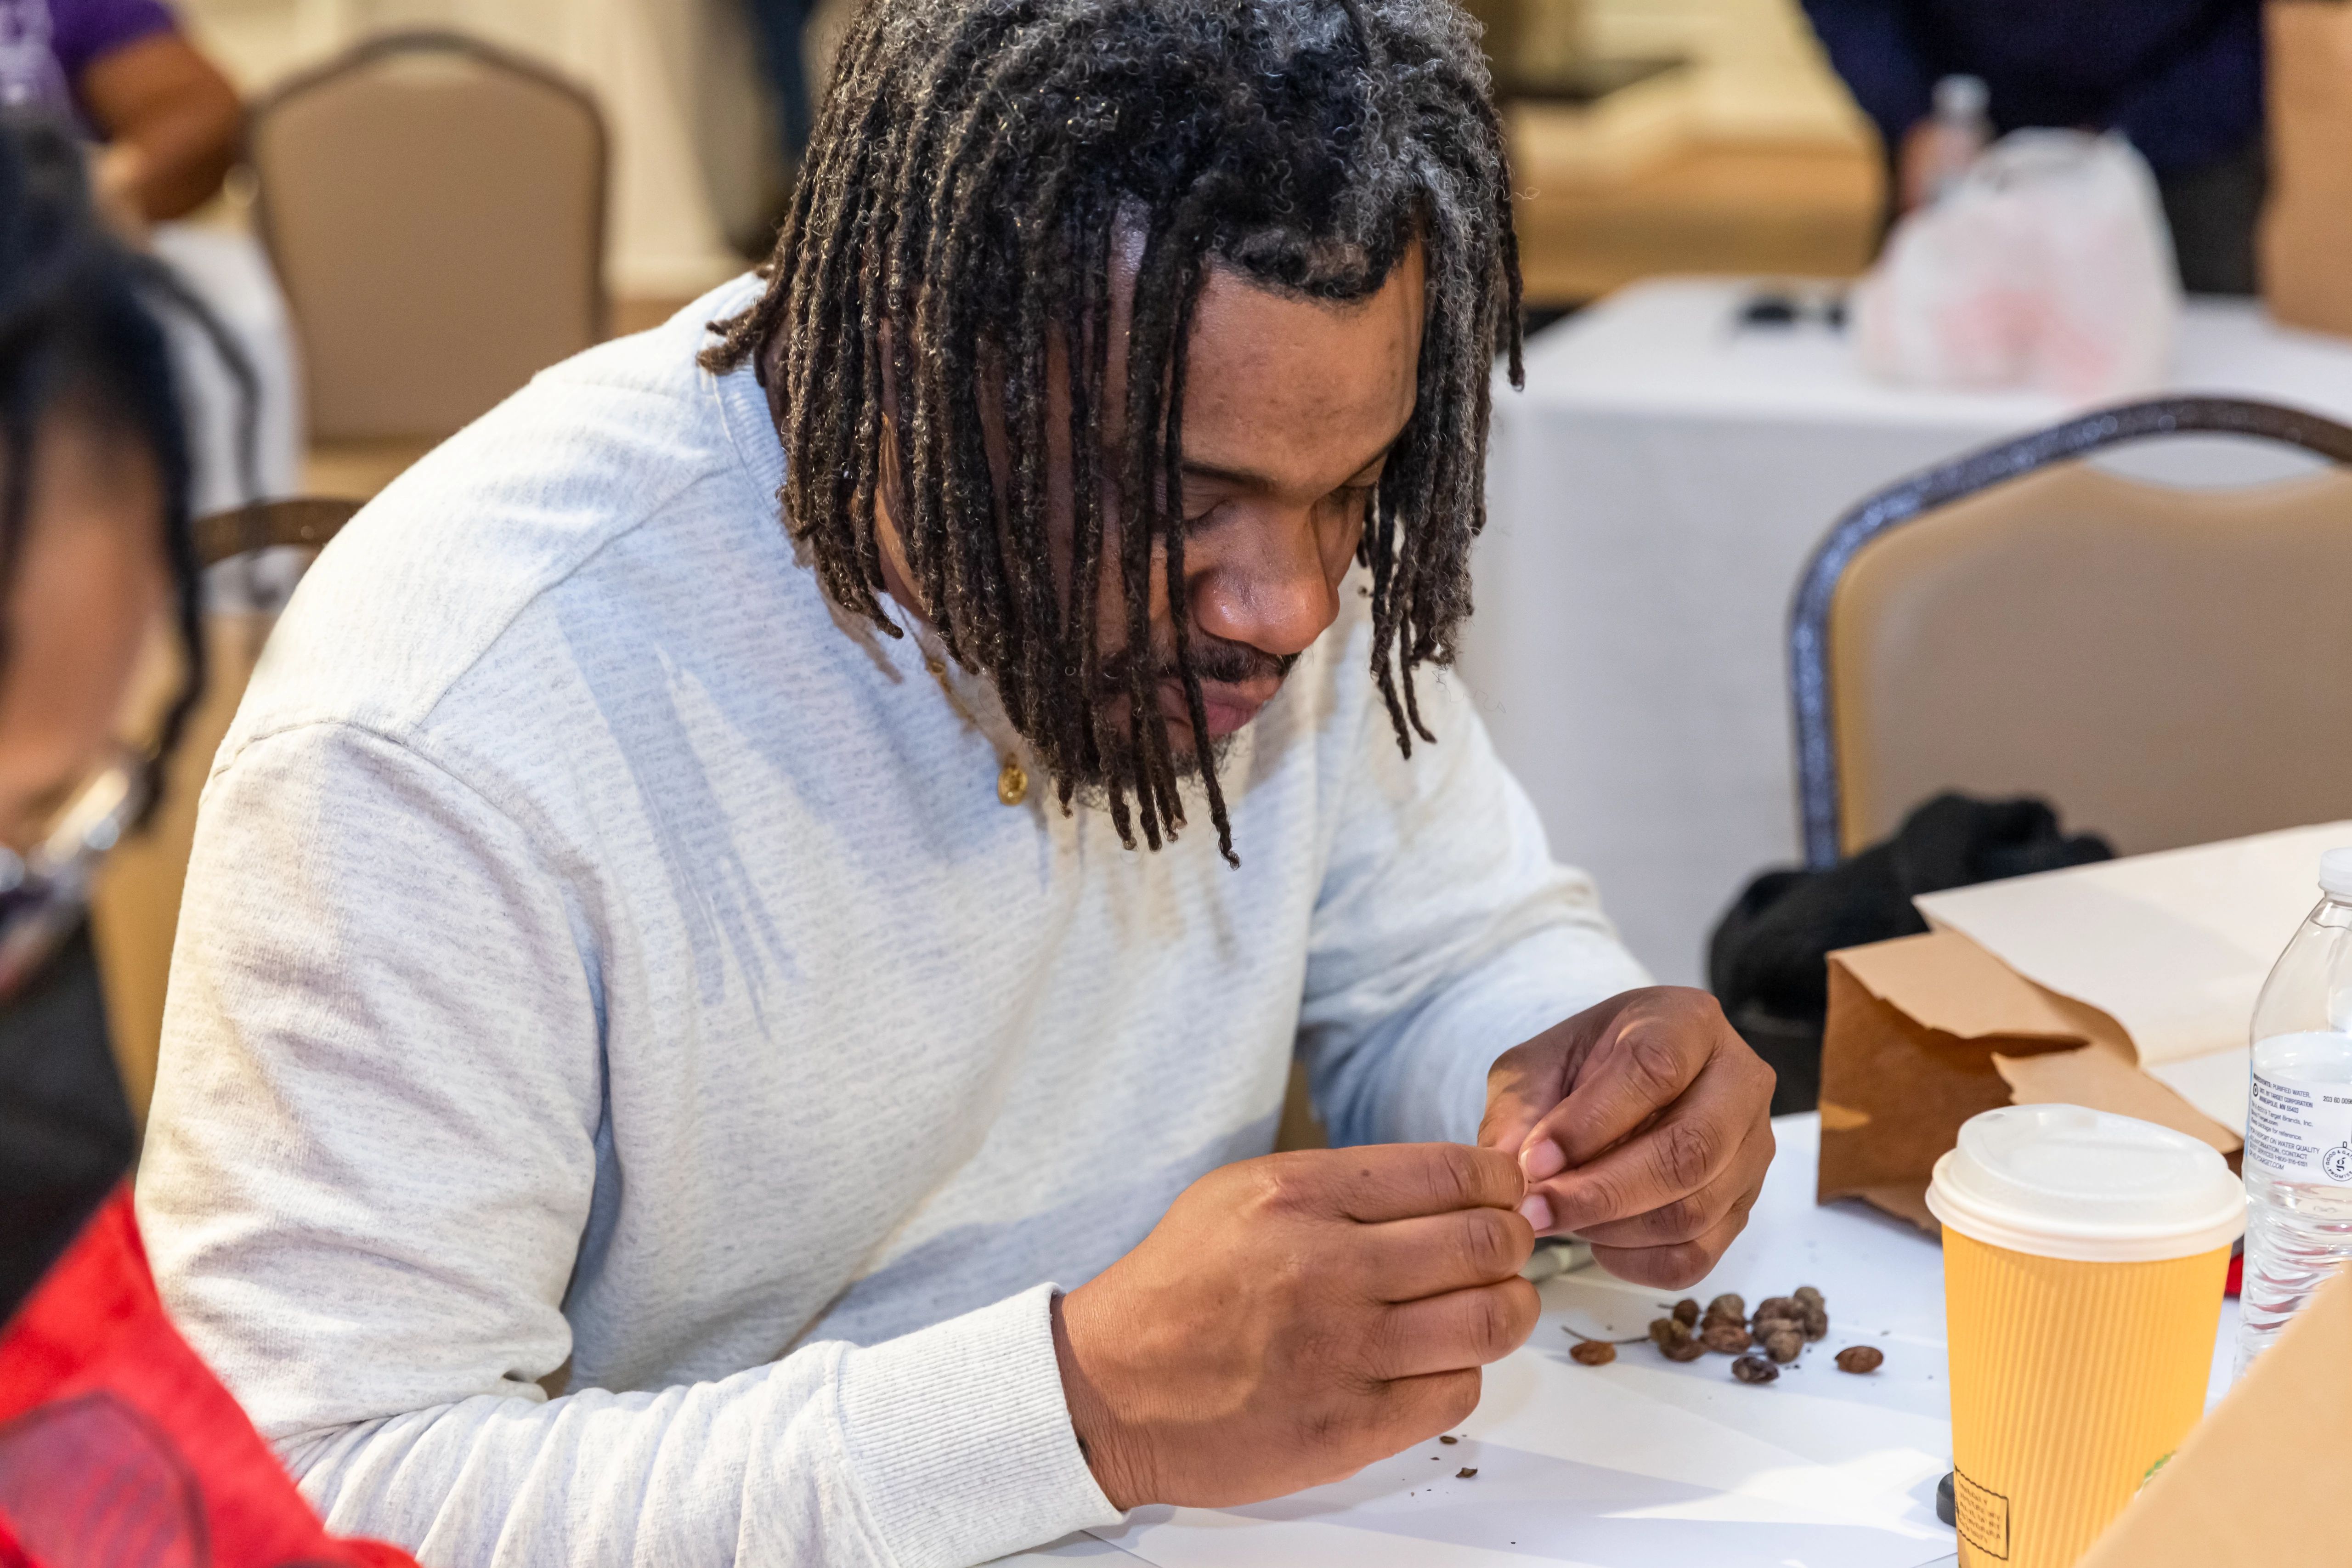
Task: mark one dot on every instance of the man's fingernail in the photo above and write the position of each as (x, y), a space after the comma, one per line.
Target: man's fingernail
(1535, 1209)
(1542, 1161)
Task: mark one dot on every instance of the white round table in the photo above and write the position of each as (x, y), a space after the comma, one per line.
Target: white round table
(1645, 1463)
(1651, 498)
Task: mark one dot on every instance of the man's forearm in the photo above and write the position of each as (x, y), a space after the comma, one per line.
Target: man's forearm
(947, 1447)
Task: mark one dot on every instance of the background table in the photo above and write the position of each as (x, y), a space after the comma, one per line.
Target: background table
(227, 269)
(1651, 498)
(1645, 1463)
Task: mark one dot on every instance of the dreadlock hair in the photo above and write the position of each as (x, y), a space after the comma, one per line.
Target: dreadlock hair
(78, 335)
(953, 223)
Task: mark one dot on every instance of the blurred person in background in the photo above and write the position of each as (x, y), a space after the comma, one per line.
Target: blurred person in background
(782, 25)
(163, 121)
(2181, 78)
(117, 1446)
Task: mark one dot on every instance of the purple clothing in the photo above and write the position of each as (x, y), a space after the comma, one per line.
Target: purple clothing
(44, 45)
(2183, 79)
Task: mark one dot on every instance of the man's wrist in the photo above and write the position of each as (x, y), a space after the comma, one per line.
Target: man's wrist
(1101, 1438)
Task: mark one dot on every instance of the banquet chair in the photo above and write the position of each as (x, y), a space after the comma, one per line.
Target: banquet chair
(435, 209)
(135, 904)
(2166, 666)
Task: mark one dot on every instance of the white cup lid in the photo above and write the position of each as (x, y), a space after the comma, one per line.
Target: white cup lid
(2335, 873)
(2063, 1180)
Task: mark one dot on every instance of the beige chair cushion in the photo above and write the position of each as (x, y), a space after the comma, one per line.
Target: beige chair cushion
(2166, 666)
(437, 219)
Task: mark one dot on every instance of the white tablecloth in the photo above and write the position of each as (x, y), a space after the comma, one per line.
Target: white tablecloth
(1646, 1464)
(228, 270)
(1651, 498)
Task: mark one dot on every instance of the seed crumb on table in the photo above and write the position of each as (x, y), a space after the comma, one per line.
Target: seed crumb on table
(1465, 1473)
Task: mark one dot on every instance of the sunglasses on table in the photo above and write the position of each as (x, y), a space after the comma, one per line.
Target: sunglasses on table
(45, 891)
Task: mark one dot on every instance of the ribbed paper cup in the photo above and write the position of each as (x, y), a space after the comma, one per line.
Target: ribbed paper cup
(2083, 1256)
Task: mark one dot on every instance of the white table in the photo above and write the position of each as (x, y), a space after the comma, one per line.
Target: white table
(1651, 498)
(1644, 1463)
(227, 269)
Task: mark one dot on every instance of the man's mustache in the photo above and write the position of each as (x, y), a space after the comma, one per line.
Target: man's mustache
(1214, 661)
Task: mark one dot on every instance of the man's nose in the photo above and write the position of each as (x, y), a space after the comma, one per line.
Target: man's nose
(1263, 585)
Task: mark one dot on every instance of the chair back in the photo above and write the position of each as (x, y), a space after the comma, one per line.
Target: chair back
(2166, 666)
(435, 211)
(135, 903)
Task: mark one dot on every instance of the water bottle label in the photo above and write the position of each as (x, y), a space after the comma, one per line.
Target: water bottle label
(2302, 1131)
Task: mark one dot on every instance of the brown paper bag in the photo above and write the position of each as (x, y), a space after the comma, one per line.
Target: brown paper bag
(2307, 225)
(2260, 1483)
(1925, 1031)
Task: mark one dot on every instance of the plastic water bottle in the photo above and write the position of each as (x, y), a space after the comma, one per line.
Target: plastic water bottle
(1956, 133)
(2298, 1158)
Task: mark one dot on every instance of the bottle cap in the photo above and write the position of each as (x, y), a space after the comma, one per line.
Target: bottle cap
(1961, 96)
(2335, 873)
(2064, 1181)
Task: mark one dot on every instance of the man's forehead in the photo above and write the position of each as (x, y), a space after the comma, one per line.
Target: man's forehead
(1297, 391)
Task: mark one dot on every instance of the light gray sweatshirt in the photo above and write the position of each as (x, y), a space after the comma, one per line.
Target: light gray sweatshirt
(606, 972)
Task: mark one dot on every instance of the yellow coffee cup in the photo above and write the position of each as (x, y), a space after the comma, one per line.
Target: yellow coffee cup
(2083, 1256)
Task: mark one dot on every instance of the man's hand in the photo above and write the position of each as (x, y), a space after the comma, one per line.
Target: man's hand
(1293, 1319)
(1644, 1125)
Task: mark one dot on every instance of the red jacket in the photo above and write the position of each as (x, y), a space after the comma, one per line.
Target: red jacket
(120, 1449)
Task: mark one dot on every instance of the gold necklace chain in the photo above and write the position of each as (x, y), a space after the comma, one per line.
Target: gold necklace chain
(1012, 778)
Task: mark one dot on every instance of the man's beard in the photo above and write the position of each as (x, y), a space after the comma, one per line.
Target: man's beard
(1212, 661)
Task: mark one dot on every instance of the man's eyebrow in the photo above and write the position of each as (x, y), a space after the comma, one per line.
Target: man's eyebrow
(1252, 480)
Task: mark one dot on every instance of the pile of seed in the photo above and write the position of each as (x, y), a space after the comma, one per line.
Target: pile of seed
(1763, 1340)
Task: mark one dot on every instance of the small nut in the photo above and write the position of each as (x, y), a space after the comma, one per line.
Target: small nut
(1776, 1307)
(1683, 1350)
(1816, 1324)
(1784, 1345)
(1754, 1369)
(1729, 1306)
(1859, 1358)
(1593, 1353)
(1806, 1295)
(1686, 1311)
(1725, 1339)
(1666, 1331)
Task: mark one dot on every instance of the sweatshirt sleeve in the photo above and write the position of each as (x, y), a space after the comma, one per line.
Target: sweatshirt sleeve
(1443, 933)
(370, 1235)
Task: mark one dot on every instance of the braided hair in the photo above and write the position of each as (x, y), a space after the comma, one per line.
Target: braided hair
(78, 332)
(953, 225)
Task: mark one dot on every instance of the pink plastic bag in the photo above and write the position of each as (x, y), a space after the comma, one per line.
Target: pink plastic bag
(2048, 267)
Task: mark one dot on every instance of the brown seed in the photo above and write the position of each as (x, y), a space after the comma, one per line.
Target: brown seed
(1784, 1345)
(1683, 1350)
(1729, 1305)
(1686, 1311)
(1449, 1439)
(1859, 1358)
(1463, 1474)
(1754, 1369)
(1776, 1307)
(1806, 1295)
(1666, 1331)
(1816, 1324)
(1591, 1352)
(1726, 1339)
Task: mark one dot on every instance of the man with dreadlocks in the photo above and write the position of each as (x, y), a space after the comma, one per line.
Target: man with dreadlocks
(742, 955)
